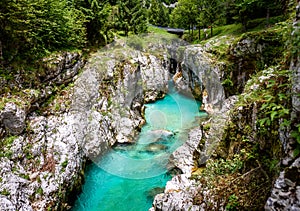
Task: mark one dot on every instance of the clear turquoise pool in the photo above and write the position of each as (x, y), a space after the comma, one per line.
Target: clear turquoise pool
(128, 177)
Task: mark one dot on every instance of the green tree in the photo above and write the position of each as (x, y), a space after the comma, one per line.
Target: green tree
(158, 14)
(29, 28)
(272, 7)
(229, 11)
(251, 9)
(185, 14)
(97, 24)
(211, 12)
(131, 17)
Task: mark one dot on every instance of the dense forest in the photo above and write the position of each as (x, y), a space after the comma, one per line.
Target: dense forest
(32, 28)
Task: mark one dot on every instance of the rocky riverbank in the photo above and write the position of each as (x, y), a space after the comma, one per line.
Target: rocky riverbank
(48, 133)
(41, 161)
(236, 163)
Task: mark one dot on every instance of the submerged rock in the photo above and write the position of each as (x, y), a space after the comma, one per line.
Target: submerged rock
(154, 147)
(159, 135)
(154, 191)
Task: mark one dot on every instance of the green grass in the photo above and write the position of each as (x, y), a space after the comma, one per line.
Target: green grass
(156, 30)
(227, 30)
(261, 23)
(232, 29)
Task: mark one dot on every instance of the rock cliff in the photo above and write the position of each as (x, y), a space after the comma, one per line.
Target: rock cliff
(41, 162)
(246, 156)
(47, 135)
(285, 193)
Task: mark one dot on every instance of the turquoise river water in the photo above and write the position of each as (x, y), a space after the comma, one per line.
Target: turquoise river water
(128, 177)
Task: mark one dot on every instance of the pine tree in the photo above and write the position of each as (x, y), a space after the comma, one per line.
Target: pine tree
(139, 18)
(211, 10)
(29, 28)
(152, 13)
(158, 14)
(131, 17)
(97, 24)
(185, 14)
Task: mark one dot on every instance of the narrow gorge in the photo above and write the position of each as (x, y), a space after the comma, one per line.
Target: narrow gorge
(155, 123)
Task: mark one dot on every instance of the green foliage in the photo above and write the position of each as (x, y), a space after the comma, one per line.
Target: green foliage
(25, 176)
(252, 9)
(211, 11)
(232, 203)
(39, 191)
(157, 30)
(31, 28)
(158, 14)
(296, 135)
(232, 29)
(65, 163)
(5, 146)
(99, 20)
(131, 17)
(275, 98)
(207, 127)
(5, 192)
(185, 14)
(227, 82)
(222, 167)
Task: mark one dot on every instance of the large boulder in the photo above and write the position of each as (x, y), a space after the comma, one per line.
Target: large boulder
(198, 73)
(61, 67)
(183, 158)
(13, 118)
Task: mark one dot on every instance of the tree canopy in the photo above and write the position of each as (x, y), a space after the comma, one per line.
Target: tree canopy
(31, 28)
(158, 14)
(207, 13)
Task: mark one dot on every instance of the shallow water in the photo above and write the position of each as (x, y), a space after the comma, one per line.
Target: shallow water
(128, 176)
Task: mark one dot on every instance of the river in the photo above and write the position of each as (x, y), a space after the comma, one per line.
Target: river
(128, 176)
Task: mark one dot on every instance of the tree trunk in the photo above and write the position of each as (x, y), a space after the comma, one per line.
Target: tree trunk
(268, 17)
(192, 32)
(211, 31)
(1, 53)
(126, 31)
